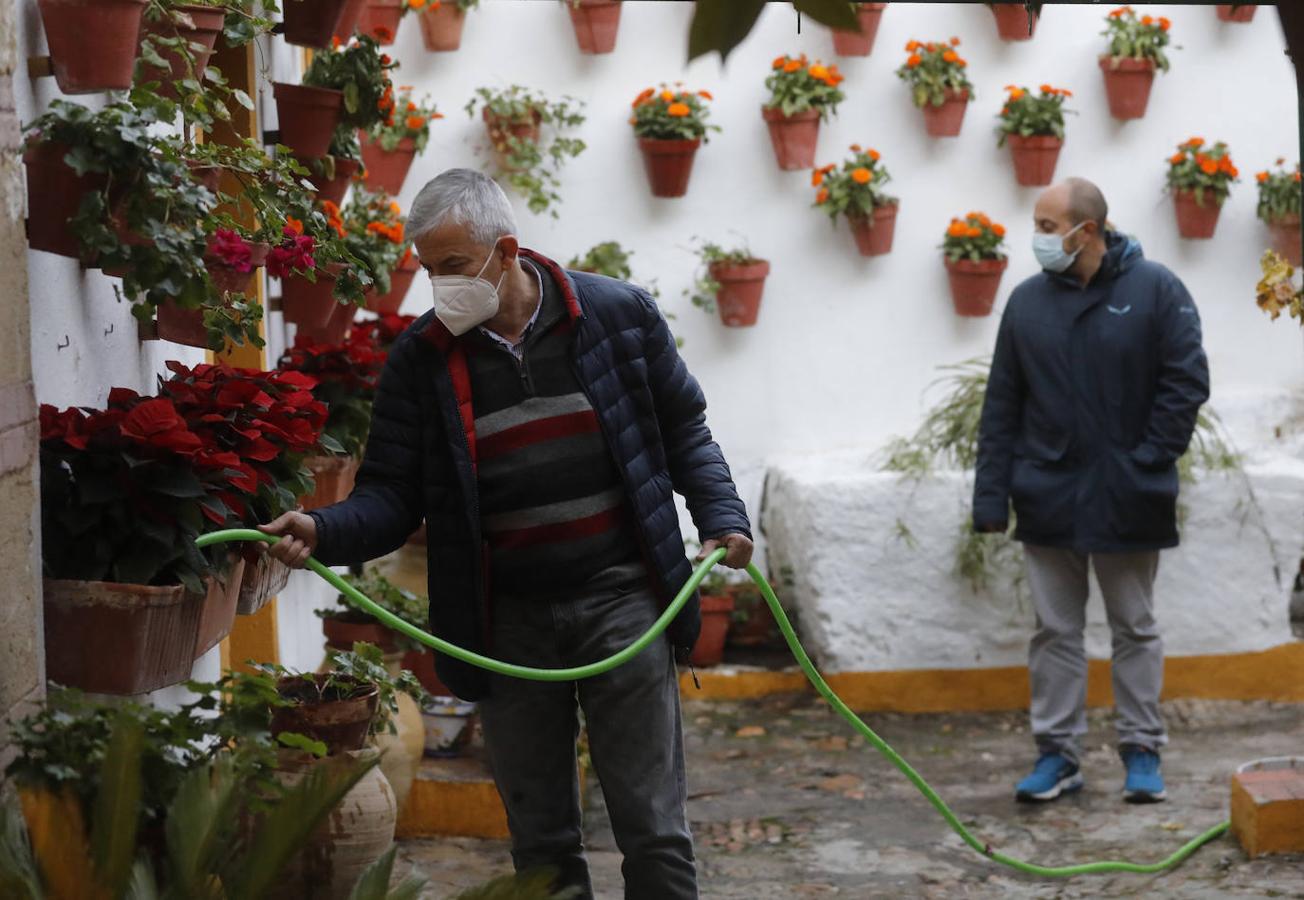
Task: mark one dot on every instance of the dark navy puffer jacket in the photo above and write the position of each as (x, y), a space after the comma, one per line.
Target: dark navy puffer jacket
(1093, 397)
(420, 461)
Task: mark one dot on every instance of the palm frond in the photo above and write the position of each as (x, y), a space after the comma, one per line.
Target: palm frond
(117, 805)
(536, 884)
(199, 826)
(373, 884)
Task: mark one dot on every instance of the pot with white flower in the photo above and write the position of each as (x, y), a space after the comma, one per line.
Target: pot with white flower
(442, 22)
(670, 126)
(729, 282)
(938, 84)
(1279, 209)
(860, 43)
(801, 95)
(1199, 178)
(855, 191)
(1015, 20)
(390, 146)
(1033, 126)
(1136, 50)
(975, 261)
(596, 23)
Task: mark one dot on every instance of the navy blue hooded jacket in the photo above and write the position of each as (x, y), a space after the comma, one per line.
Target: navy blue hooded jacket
(1092, 398)
(420, 461)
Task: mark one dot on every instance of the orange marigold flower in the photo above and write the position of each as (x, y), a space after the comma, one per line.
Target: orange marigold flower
(414, 122)
(1208, 166)
(1147, 20)
(955, 42)
(957, 228)
(1065, 92)
(998, 229)
(791, 66)
(819, 72)
(1047, 89)
(705, 95)
(962, 63)
(873, 154)
(411, 107)
(295, 225)
(667, 96)
(331, 208)
(973, 232)
(678, 110)
(1164, 23)
(816, 178)
(912, 61)
(822, 195)
(950, 56)
(1017, 93)
(1177, 158)
(416, 4)
(1233, 171)
(1296, 175)
(1261, 177)
(643, 97)
(930, 47)
(778, 62)
(1195, 142)
(983, 220)
(861, 175)
(912, 46)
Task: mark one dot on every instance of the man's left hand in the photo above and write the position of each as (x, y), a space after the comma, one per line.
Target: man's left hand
(738, 550)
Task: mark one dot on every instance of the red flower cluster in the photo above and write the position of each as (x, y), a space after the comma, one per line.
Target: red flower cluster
(294, 252)
(380, 332)
(346, 376)
(231, 249)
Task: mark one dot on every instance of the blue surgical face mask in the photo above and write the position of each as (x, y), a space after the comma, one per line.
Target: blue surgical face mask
(1050, 252)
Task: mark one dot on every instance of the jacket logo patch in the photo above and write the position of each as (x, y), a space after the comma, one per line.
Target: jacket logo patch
(1119, 312)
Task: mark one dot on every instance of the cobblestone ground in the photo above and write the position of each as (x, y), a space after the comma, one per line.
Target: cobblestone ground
(787, 802)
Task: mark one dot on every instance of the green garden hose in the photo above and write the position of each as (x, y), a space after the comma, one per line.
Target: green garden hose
(597, 668)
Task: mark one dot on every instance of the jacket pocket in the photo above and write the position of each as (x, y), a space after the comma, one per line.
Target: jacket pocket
(1143, 499)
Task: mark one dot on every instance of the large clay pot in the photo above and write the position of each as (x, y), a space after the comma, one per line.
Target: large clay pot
(56, 192)
(1013, 22)
(793, 137)
(709, 649)
(264, 577)
(1227, 12)
(441, 26)
(596, 23)
(336, 328)
(110, 638)
(307, 303)
(669, 164)
(333, 188)
(311, 23)
(945, 120)
(381, 19)
(340, 724)
(386, 169)
(349, 19)
(332, 478)
(1034, 157)
(1196, 221)
(741, 284)
(850, 43)
(1127, 85)
(400, 282)
(974, 284)
(1286, 238)
(343, 633)
(218, 613)
(201, 38)
(307, 116)
(874, 235)
(93, 43)
(354, 835)
(402, 749)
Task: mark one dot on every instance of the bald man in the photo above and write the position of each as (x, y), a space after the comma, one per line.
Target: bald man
(1095, 385)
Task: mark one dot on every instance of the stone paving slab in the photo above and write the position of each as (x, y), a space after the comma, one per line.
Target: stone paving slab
(787, 802)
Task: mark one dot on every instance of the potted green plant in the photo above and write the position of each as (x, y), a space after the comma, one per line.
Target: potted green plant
(322, 281)
(670, 126)
(373, 225)
(855, 191)
(717, 606)
(860, 43)
(331, 175)
(514, 118)
(442, 22)
(1015, 20)
(346, 87)
(802, 94)
(93, 43)
(973, 252)
(938, 84)
(596, 23)
(345, 624)
(729, 282)
(1236, 12)
(1136, 50)
(176, 41)
(1033, 126)
(390, 146)
(313, 23)
(1279, 209)
(611, 259)
(1199, 178)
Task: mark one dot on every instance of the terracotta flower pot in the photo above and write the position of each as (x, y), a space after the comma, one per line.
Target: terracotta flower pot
(386, 169)
(739, 298)
(596, 23)
(1286, 238)
(111, 638)
(874, 236)
(974, 284)
(342, 634)
(400, 282)
(349, 19)
(381, 19)
(500, 130)
(794, 137)
(201, 39)
(218, 613)
(307, 116)
(332, 479)
(93, 43)
(441, 27)
(1127, 85)
(709, 649)
(311, 23)
(263, 579)
(336, 327)
(1013, 23)
(186, 326)
(341, 725)
(669, 164)
(60, 191)
(945, 120)
(1034, 157)
(1196, 221)
(353, 836)
(756, 629)
(421, 663)
(1228, 13)
(309, 304)
(849, 43)
(230, 280)
(333, 189)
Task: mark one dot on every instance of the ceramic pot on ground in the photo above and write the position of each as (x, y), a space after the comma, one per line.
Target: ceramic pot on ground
(709, 649)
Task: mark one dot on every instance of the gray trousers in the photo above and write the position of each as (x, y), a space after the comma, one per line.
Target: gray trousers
(635, 740)
(1057, 660)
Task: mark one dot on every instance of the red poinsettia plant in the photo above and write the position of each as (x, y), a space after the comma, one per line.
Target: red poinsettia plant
(346, 375)
(380, 332)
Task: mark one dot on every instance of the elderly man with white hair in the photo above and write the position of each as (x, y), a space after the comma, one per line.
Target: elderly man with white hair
(540, 420)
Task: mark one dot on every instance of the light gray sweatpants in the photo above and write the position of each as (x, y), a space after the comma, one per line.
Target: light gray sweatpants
(1057, 659)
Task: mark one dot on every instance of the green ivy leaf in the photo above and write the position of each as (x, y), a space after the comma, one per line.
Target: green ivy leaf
(721, 25)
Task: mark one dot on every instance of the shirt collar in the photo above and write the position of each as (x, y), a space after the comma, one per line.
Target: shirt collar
(515, 347)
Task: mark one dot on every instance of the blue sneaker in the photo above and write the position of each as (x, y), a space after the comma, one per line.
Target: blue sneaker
(1052, 776)
(1144, 782)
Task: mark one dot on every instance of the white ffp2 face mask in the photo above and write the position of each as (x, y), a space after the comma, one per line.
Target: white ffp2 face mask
(465, 301)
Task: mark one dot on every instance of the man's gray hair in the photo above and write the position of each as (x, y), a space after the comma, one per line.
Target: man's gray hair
(466, 197)
(1086, 203)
